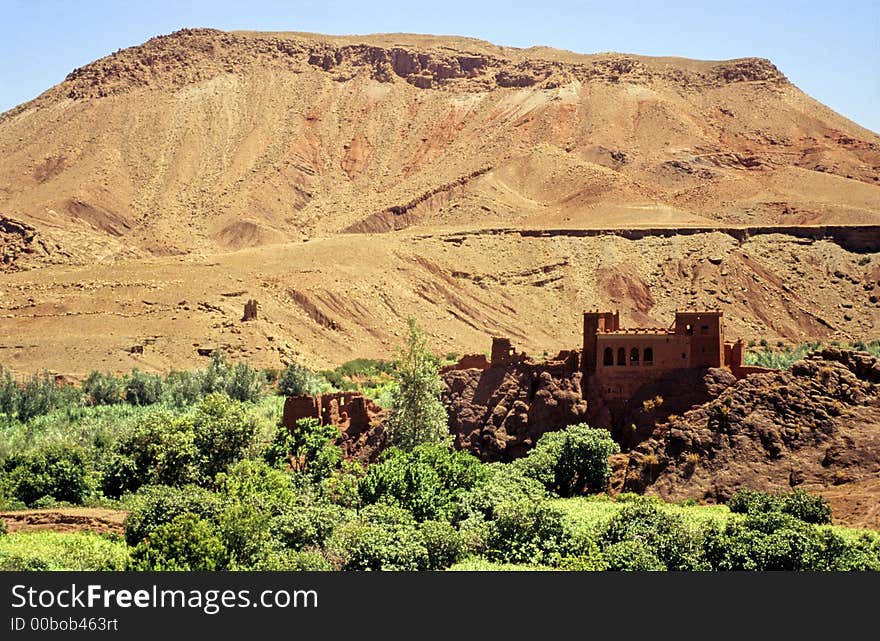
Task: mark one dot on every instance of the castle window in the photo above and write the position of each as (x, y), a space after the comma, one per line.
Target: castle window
(608, 357)
(704, 329)
(634, 356)
(621, 356)
(689, 329)
(649, 356)
(683, 355)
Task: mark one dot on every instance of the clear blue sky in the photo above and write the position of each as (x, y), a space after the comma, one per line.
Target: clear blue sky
(830, 49)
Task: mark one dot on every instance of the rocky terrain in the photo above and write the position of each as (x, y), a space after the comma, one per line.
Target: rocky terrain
(816, 426)
(347, 182)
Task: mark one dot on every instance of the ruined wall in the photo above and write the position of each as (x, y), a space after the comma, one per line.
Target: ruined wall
(360, 421)
(468, 361)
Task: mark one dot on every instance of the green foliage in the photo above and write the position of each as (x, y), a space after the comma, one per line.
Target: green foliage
(783, 357)
(308, 449)
(258, 483)
(9, 393)
(82, 551)
(185, 543)
(182, 388)
(102, 389)
(526, 532)
(426, 480)
(418, 416)
(57, 471)
(296, 380)
(142, 388)
(294, 561)
(799, 504)
(383, 537)
(245, 534)
(160, 450)
(222, 431)
(342, 486)
(660, 535)
(632, 555)
(156, 505)
(306, 526)
(244, 383)
(498, 483)
(588, 558)
(40, 394)
(571, 460)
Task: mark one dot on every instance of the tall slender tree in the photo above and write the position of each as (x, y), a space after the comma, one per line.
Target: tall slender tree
(417, 414)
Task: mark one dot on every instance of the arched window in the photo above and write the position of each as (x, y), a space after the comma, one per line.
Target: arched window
(608, 358)
(649, 356)
(621, 356)
(634, 356)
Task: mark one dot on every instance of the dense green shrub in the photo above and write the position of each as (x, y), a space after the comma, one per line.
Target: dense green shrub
(182, 388)
(498, 483)
(245, 533)
(61, 551)
(141, 388)
(185, 543)
(306, 526)
(156, 505)
(663, 536)
(9, 393)
(571, 460)
(244, 383)
(41, 394)
(296, 380)
(57, 471)
(443, 542)
(426, 480)
(159, 450)
(222, 431)
(383, 537)
(256, 482)
(799, 504)
(102, 389)
(526, 532)
(294, 561)
(632, 555)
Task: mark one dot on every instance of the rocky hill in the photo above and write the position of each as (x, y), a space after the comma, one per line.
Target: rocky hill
(816, 426)
(485, 190)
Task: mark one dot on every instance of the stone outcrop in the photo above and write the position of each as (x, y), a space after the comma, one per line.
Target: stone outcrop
(498, 413)
(816, 425)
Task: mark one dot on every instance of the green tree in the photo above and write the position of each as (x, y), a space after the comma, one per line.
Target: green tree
(142, 388)
(101, 389)
(572, 460)
(417, 414)
(296, 380)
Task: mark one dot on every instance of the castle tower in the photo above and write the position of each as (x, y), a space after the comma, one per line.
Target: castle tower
(595, 322)
(705, 333)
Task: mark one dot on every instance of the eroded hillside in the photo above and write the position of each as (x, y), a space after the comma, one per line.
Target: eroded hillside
(149, 195)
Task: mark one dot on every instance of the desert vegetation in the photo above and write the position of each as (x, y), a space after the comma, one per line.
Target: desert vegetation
(210, 480)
